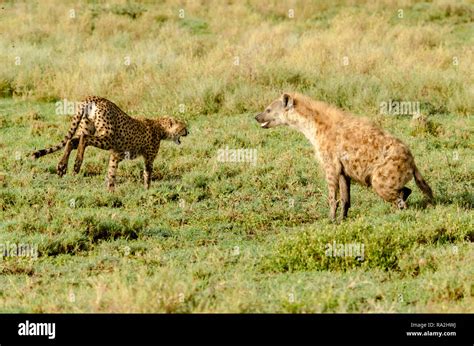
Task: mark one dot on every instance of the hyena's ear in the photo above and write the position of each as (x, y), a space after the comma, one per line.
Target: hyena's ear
(287, 101)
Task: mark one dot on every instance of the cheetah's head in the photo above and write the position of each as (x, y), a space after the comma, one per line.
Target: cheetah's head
(276, 113)
(173, 129)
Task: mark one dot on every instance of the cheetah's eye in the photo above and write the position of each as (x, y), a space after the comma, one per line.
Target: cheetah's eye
(268, 111)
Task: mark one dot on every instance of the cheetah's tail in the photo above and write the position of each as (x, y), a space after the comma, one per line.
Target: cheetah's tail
(72, 130)
(42, 152)
(422, 184)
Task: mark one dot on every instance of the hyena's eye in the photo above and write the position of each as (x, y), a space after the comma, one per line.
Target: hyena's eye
(268, 111)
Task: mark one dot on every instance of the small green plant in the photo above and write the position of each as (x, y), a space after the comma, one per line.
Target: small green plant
(132, 10)
(195, 25)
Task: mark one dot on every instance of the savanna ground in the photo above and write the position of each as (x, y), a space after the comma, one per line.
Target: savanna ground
(214, 236)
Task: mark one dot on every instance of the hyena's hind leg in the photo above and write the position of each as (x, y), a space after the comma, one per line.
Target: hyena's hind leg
(70, 146)
(402, 198)
(101, 142)
(389, 182)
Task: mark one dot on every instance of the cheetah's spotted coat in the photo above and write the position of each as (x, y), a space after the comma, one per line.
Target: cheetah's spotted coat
(102, 124)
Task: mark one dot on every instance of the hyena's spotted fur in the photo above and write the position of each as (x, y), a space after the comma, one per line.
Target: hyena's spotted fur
(348, 148)
(102, 124)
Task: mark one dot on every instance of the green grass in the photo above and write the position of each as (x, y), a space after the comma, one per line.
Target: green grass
(212, 236)
(237, 243)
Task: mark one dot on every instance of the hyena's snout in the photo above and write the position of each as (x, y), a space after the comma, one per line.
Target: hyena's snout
(263, 120)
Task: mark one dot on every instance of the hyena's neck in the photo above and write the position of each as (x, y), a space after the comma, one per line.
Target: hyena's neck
(310, 131)
(309, 126)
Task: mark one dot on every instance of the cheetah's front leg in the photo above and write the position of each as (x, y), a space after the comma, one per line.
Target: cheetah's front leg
(114, 160)
(148, 172)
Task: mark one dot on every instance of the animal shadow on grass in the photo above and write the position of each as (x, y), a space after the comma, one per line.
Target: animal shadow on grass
(134, 174)
(93, 169)
(464, 199)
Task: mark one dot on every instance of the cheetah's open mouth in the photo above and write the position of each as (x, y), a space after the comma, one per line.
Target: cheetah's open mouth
(177, 139)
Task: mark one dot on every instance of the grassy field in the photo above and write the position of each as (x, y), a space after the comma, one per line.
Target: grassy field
(212, 236)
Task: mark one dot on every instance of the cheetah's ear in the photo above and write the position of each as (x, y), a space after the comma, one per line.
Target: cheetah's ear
(287, 101)
(167, 122)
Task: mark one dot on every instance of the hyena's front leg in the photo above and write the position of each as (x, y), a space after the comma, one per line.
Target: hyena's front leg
(114, 160)
(333, 185)
(70, 146)
(345, 194)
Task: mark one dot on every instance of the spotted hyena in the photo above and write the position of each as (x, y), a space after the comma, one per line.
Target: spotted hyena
(348, 148)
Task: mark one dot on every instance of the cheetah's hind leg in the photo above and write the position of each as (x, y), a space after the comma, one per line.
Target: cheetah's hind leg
(101, 142)
(70, 146)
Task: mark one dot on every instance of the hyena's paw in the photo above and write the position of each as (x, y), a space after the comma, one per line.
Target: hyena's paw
(61, 169)
(401, 204)
(332, 218)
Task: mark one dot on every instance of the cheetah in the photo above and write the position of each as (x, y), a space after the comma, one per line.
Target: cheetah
(100, 123)
(348, 147)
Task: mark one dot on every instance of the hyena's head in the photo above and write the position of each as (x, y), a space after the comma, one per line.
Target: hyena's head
(276, 112)
(173, 129)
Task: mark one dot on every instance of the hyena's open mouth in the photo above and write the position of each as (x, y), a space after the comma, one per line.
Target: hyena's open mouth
(263, 123)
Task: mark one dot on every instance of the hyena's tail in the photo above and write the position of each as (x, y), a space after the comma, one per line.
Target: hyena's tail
(422, 184)
(72, 130)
